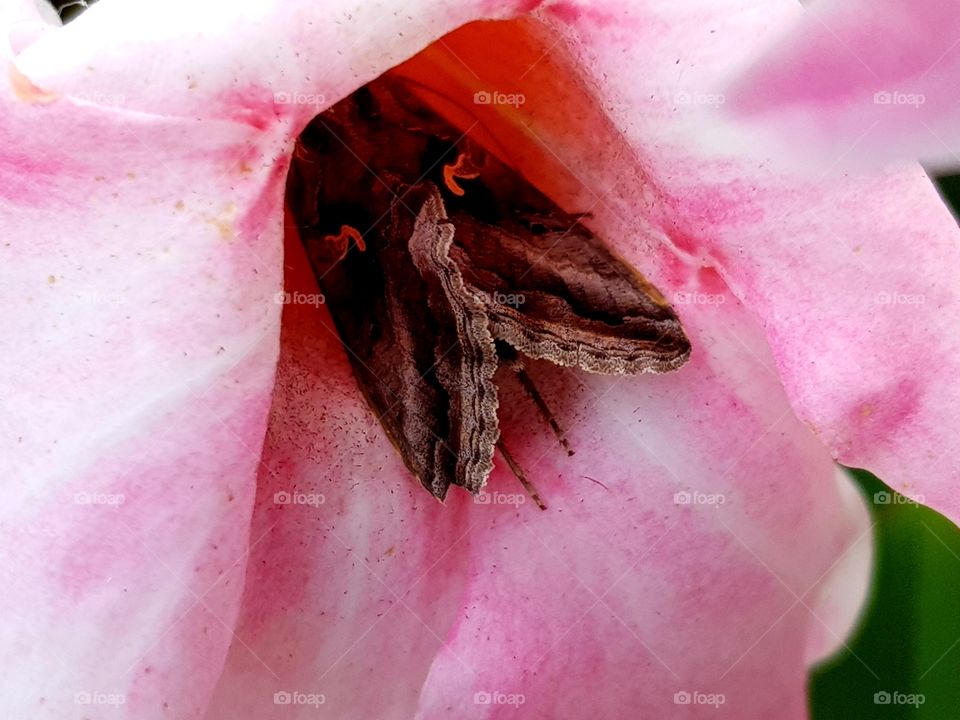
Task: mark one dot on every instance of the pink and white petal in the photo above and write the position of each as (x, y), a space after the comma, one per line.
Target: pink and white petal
(851, 276)
(365, 598)
(23, 22)
(622, 601)
(617, 586)
(871, 79)
(355, 573)
(141, 262)
(233, 59)
(137, 362)
(844, 273)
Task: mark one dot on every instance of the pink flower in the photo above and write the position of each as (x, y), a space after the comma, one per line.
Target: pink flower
(865, 80)
(204, 520)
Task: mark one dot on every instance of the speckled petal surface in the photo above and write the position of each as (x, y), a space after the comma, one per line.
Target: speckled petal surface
(556, 610)
(666, 568)
(141, 193)
(850, 274)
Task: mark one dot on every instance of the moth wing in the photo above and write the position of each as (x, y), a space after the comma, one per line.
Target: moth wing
(379, 320)
(466, 356)
(552, 288)
(555, 291)
(420, 347)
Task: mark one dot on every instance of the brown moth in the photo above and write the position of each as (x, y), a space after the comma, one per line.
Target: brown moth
(439, 263)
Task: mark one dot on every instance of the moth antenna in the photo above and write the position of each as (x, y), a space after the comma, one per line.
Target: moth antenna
(518, 473)
(541, 404)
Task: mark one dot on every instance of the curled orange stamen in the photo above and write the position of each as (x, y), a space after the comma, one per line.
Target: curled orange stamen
(462, 168)
(341, 241)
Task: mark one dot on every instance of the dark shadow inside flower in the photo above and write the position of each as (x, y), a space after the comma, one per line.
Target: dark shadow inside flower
(439, 261)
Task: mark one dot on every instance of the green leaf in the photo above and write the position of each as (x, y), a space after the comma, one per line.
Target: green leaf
(908, 641)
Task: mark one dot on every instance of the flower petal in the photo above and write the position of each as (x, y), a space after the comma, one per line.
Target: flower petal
(843, 272)
(23, 22)
(779, 495)
(137, 363)
(851, 276)
(141, 215)
(367, 596)
(617, 586)
(241, 60)
(868, 79)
